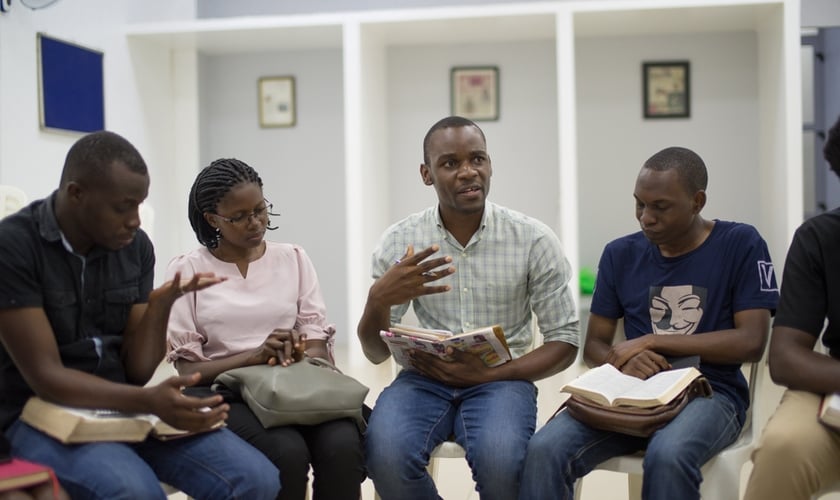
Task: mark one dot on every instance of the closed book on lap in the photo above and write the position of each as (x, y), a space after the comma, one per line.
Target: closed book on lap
(21, 474)
(81, 425)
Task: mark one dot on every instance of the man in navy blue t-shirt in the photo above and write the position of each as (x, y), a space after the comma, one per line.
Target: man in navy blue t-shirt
(684, 286)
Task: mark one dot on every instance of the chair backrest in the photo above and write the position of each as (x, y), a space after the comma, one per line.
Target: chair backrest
(12, 199)
(756, 381)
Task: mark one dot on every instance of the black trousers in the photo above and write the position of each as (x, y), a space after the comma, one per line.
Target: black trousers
(334, 449)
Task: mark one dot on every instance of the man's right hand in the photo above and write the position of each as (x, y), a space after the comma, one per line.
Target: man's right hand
(186, 412)
(645, 364)
(409, 277)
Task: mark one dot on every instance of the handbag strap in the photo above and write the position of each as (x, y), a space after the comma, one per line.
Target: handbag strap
(322, 362)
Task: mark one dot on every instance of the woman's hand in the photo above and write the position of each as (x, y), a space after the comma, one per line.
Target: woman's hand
(282, 347)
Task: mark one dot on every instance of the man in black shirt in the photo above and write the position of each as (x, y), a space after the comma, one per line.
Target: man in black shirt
(81, 326)
(798, 456)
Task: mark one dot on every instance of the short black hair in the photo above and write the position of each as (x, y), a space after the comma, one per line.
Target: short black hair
(448, 122)
(212, 184)
(91, 157)
(831, 150)
(687, 163)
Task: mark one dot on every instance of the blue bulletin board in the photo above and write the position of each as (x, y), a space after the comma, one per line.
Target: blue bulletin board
(71, 79)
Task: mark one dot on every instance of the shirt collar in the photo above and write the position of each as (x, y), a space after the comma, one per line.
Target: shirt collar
(487, 218)
(47, 223)
(50, 231)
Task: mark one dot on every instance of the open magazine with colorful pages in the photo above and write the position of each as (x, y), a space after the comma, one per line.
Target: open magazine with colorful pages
(80, 425)
(488, 343)
(607, 386)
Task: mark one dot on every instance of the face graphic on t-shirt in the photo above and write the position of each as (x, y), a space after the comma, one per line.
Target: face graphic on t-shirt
(676, 310)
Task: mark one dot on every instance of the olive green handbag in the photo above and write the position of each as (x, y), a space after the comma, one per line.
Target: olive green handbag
(309, 392)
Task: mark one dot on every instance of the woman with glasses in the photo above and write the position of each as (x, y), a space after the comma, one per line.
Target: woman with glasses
(268, 310)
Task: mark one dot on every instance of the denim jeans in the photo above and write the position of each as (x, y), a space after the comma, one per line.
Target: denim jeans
(492, 422)
(214, 465)
(565, 450)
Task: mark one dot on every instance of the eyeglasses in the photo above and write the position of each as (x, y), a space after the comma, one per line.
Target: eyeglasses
(259, 214)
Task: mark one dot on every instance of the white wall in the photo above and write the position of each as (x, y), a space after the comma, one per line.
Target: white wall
(141, 104)
(32, 159)
(820, 13)
(615, 140)
(522, 143)
(302, 167)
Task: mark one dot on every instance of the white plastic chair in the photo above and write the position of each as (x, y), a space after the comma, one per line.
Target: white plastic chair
(721, 474)
(12, 199)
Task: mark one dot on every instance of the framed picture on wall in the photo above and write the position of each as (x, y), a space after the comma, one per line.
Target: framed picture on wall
(474, 92)
(277, 101)
(666, 87)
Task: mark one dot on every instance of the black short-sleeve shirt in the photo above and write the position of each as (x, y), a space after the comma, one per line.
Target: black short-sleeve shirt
(86, 299)
(810, 295)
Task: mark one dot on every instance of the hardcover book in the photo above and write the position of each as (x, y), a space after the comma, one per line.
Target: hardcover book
(80, 425)
(607, 386)
(21, 474)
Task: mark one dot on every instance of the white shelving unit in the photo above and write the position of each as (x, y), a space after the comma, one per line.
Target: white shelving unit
(566, 148)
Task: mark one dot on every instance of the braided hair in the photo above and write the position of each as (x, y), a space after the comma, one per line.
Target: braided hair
(212, 184)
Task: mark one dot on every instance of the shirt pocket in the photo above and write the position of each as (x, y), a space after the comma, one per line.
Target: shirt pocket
(62, 309)
(118, 303)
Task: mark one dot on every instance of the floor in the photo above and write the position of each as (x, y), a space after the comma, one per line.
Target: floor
(454, 482)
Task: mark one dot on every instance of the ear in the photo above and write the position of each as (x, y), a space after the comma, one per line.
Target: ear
(426, 174)
(74, 191)
(210, 220)
(699, 201)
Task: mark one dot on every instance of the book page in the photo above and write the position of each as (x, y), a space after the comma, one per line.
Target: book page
(605, 380)
(424, 333)
(832, 403)
(484, 345)
(660, 385)
(829, 412)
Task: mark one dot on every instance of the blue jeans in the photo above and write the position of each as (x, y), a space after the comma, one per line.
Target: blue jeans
(492, 422)
(565, 450)
(214, 465)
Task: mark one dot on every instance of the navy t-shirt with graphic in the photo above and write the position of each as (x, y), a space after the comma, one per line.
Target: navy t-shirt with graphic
(691, 294)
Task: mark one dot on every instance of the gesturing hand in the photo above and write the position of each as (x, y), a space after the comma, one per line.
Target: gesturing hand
(177, 287)
(409, 277)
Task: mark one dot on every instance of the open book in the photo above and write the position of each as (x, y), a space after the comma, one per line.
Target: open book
(80, 425)
(830, 410)
(607, 386)
(489, 343)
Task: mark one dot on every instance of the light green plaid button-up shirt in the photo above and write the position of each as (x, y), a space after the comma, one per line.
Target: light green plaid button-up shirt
(513, 265)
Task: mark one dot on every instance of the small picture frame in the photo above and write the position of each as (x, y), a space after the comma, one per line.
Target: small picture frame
(667, 89)
(474, 92)
(277, 105)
